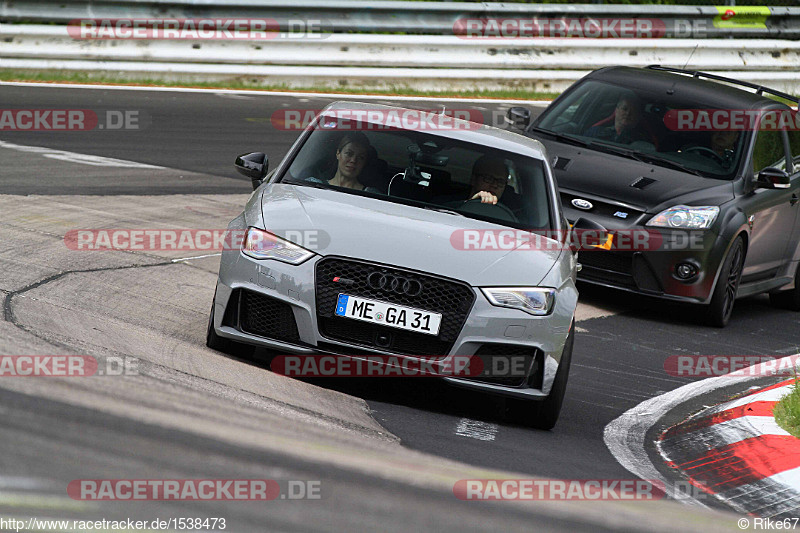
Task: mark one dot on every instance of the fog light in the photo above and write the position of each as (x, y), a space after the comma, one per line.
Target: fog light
(685, 270)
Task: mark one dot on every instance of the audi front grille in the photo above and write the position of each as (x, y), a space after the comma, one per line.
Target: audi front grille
(453, 299)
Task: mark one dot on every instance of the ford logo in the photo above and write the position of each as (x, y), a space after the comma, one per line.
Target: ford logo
(580, 203)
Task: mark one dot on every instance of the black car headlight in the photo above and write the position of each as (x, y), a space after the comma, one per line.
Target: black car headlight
(685, 217)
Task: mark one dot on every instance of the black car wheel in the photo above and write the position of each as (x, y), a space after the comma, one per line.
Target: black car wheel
(544, 414)
(721, 306)
(788, 299)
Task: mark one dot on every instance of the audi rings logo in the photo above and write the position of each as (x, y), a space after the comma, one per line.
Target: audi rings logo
(395, 284)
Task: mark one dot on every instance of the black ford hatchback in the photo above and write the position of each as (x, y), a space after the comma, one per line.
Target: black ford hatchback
(697, 177)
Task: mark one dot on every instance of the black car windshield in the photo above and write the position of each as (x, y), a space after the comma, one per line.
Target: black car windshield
(660, 129)
(427, 171)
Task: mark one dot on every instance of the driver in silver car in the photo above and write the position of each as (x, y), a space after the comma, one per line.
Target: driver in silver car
(489, 180)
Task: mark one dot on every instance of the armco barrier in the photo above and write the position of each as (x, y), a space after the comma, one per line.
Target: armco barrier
(435, 18)
(356, 50)
(341, 78)
(435, 51)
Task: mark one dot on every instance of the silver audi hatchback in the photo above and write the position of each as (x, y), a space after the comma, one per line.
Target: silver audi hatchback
(394, 232)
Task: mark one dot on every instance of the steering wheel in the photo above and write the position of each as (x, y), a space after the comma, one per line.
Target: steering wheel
(708, 152)
(498, 210)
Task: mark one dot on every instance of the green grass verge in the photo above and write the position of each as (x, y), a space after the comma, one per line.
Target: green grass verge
(87, 77)
(787, 410)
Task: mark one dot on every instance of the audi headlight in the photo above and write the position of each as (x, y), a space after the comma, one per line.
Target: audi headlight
(533, 300)
(260, 244)
(685, 217)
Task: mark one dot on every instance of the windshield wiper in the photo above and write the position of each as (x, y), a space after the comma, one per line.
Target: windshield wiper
(650, 158)
(305, 183)
(646, 157)
(442, 210)
(562, 136)
(616, 150)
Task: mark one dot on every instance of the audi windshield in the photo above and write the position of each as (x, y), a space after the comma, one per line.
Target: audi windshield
(427, 171)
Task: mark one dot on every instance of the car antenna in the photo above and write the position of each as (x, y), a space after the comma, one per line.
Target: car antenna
(442, 113)
(690, 56)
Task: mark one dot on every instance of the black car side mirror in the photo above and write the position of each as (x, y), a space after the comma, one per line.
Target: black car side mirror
(519, 117)
(254, 166)
(586, 233)
(773, 178)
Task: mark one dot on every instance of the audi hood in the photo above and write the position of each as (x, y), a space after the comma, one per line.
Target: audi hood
(331, 223)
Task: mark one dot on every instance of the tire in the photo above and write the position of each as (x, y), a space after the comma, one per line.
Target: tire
(718, 312)
(788, 299)
(221, 344)
(544, 414)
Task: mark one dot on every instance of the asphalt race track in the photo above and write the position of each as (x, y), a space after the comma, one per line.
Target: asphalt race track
(192, 413)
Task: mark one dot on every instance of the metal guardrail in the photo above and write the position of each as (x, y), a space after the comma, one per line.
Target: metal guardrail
(434, 18)
(352, 51)
(343, 78)
(420, 51)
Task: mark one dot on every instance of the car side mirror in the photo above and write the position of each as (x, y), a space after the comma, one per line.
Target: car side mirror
(773, 178)
(518, 117)
(586, 233)
(254, 166)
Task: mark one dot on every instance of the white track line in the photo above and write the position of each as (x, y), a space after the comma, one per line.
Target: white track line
(196, 257)
(624, 436)
(272, 93)
(25, 483)
(74, 157)
(476, 430)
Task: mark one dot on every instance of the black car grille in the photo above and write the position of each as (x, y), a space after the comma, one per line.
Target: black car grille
(623, 269)
(615, 268)
(615, 261)
(452, 299)
(266, 317)
(501, 365)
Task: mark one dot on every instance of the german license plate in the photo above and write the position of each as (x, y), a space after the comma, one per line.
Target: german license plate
(386, 314)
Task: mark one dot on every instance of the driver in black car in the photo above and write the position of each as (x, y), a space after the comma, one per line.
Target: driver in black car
(723, 142)
(489, 181)
(627, 126)
(721, 146)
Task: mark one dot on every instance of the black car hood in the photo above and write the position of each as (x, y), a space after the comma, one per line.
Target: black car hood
(600, 174)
